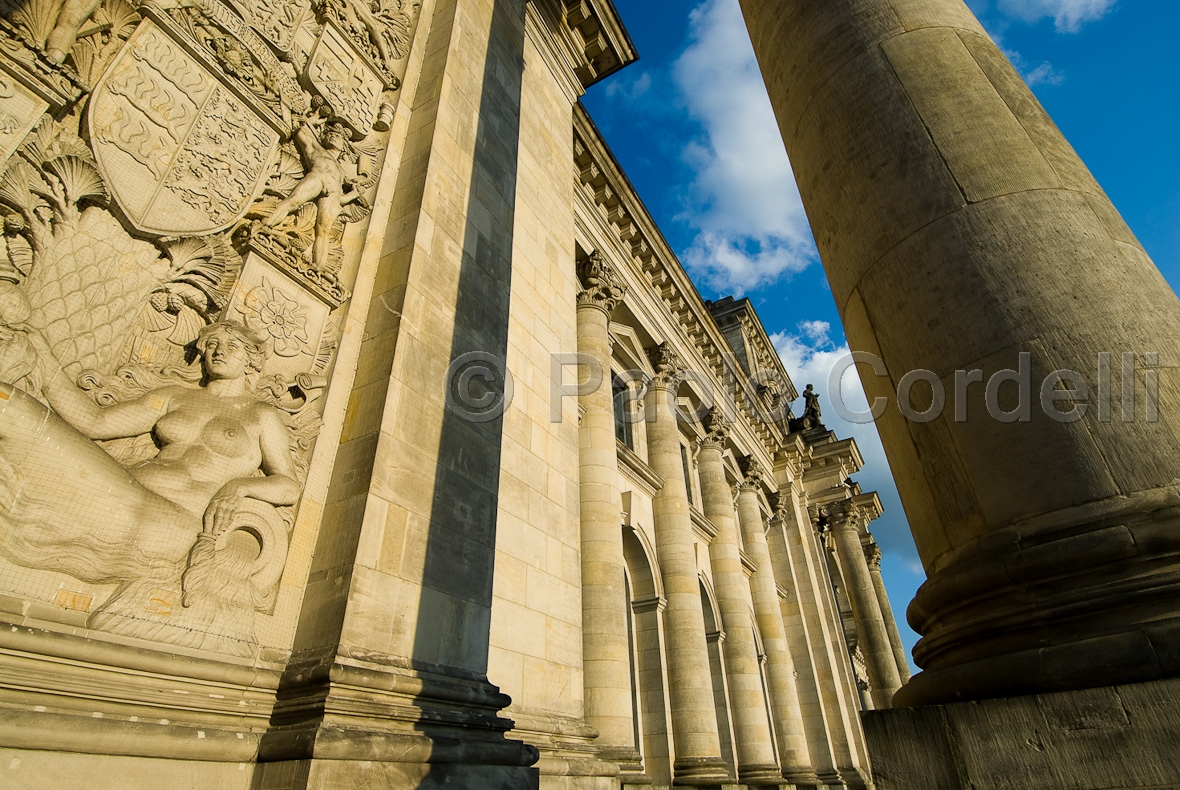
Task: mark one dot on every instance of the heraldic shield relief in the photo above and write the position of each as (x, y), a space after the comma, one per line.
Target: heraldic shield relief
(185, 188)
(180, 152)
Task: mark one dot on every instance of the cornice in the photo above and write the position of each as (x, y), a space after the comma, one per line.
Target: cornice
(610, 197)
(587, 39)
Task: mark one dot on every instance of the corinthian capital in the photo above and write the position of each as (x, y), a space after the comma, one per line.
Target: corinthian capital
(668, 365)
(603, 288)
(716, 429)
(753, 472)
(838, 515)
(873, 555)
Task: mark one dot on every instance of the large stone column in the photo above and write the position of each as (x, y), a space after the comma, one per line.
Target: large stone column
(873, 558)
(605, 644)
(755, 744)
(694, 718)
(960, 232)
(780, 667)
(843, 519)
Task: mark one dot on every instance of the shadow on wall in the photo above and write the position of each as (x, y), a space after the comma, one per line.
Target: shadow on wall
(454, 617)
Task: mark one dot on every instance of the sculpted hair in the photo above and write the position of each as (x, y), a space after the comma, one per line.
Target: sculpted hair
(255, 345)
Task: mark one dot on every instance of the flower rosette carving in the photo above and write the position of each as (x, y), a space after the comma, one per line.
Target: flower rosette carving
(278, 317)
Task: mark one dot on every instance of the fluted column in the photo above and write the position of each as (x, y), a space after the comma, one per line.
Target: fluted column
(754, 749)
(960, 232)
(873, 558)
(605, 646)
(843, 520)
(694, 717)
(780, 667)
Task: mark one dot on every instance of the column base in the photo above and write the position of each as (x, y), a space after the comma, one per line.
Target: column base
(802, 780)
(1069, 600)
(629, 760)
(1094, 739)
(701, 772)
(761, 776)
(334, 774)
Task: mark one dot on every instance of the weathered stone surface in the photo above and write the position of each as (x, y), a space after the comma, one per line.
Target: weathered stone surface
(1098, 739)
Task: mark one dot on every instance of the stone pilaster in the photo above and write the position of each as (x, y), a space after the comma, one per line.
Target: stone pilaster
(755, 747)
(694, 718)
(605, 649)
(843, 519)
(873, 558)
(939, 192)
(780, 667)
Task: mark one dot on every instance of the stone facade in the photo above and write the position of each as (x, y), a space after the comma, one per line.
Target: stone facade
(359, 428)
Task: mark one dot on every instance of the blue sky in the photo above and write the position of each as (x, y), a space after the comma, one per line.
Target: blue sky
(692, 126)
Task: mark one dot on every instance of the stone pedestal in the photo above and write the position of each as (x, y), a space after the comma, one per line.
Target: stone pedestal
(1110, 738)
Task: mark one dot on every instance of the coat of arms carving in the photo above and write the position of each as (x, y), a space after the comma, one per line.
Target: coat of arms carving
(180, 152)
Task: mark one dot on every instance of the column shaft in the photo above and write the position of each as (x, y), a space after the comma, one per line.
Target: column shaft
(874, 640)
(873, 557)
(755, 746)
(780, 667)
(605, 644)
(694, 718)
(961, 232)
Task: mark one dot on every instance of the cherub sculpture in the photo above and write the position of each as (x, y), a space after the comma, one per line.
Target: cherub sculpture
(326, 152)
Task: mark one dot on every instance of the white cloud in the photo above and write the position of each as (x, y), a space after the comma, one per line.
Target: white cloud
(810, 354)
(628, 86)
(1043, 74)
(742, 202)
(1068, 15)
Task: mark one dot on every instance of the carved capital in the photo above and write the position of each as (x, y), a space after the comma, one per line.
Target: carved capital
(753, 472)
(716, 429)
(873, 555)
(841, 515)
(669, 367)
(603, 288)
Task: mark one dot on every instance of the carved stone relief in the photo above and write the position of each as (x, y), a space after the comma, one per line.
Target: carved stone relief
(172, 283)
